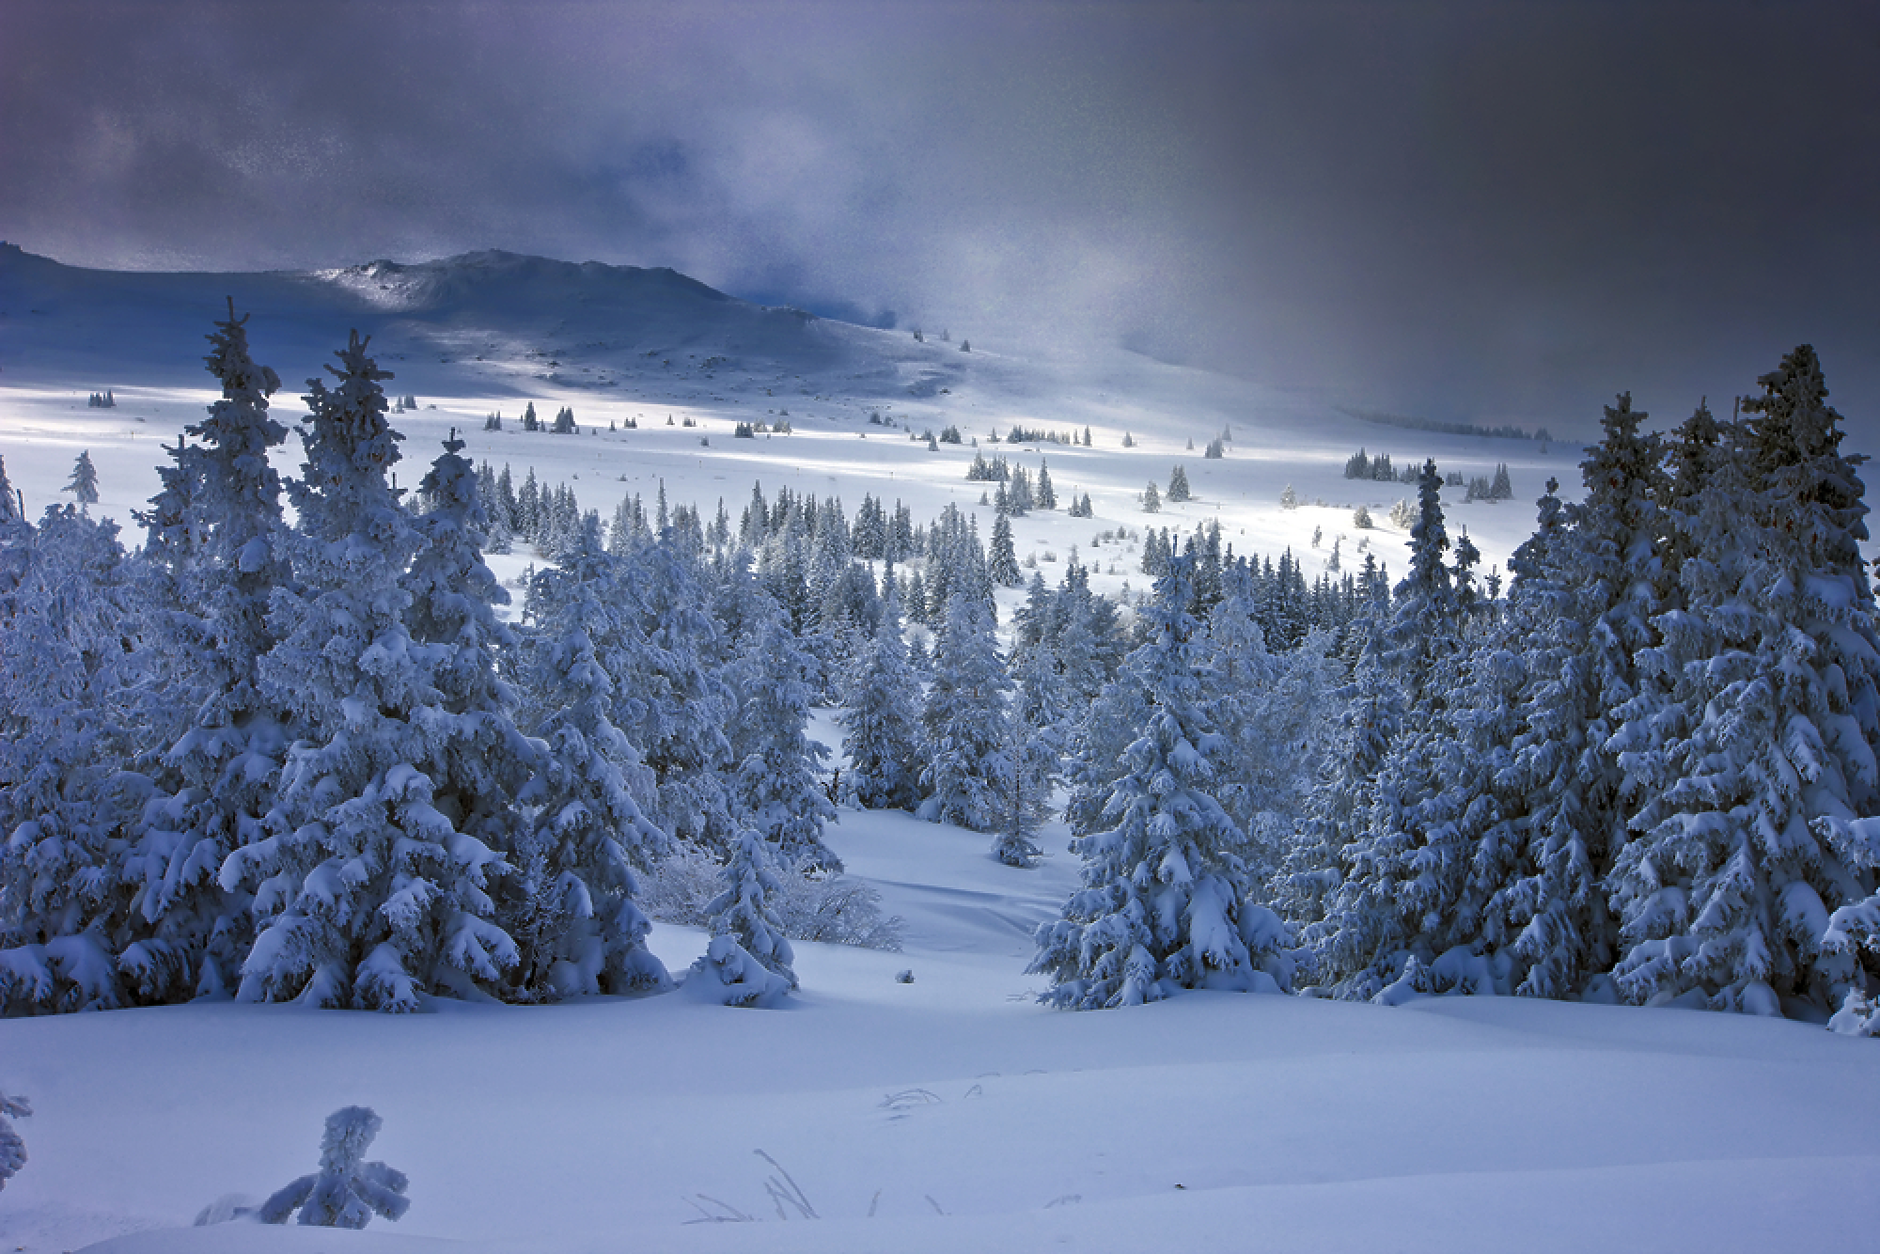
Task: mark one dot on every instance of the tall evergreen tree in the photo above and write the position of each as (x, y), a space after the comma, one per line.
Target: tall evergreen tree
(218, 522)
(881, 725)
(366, 893)
(83, 485)
(1165, 898)
(774, 787)
(963, 723)
(69, 686)
(573, 912)
(1728, 893)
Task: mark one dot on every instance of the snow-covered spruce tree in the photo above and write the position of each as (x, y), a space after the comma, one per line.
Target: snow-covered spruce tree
(345, 1192)
(1535, 896)
(83, 485)
(218, 521)
(1585, 602)
(1002, 562)
(1309, 887)
(479, 760)
(1272, 713)
(963, 728)
(10, 511)
(1405, 866)
(365, 893)
(1178, 489)
(670, 699)
(1165, 897)
(775, 789)
(70, 688)
(573, 912)
(1035, 749)
(1749, 877)
(881, 724)
(12, 1147)
(748, 960)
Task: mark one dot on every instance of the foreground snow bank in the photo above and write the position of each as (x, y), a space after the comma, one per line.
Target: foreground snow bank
(956, 1113)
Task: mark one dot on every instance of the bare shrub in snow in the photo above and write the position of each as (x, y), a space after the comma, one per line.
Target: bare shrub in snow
(811, 907)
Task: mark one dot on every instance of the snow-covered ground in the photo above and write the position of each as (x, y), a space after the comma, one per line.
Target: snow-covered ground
(948, 1113)
(955, 1113)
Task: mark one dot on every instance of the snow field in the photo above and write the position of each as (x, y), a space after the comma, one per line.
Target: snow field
(1458, 1124)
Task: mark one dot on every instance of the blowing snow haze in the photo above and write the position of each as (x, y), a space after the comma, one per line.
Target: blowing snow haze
(1484, 212)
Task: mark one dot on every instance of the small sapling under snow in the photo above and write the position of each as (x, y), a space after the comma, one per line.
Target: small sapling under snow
(12, 1148)
(345, 1192)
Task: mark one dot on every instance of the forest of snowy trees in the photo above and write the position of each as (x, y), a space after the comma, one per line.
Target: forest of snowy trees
(312, 762)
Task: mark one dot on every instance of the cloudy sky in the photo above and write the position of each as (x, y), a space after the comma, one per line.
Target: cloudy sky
(1502, 211)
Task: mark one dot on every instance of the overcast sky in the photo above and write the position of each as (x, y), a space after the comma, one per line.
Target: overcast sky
(1502, 211)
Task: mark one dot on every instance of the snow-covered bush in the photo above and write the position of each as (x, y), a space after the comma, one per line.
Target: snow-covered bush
(729, 974)
(345, 1192)
(742, 911)
(12, 1148)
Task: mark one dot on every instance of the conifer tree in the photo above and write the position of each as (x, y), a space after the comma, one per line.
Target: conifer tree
(83, 485)
(572, 909)
(1178, 489)
(1405, 864)
(743, 915)
(1165, 902)
(1750, 873)
(963, 726)
(1035, 749)
(881, 725)
(774, 788)
(218, 523)
(68, 725)
(366, 893)
(1002, 561)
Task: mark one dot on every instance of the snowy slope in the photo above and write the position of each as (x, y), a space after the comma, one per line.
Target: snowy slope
(489, 332)
(954, 1113)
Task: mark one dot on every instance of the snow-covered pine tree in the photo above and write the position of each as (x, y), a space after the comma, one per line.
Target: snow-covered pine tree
(666, 656)
(12, 1148)
(574, 917)
(10, 511)
(479, 758)
(1272, 713)
(70, 679)
(366, 894)
(1749, 877)
(774, 788)
(1178, 489)
(1002, 561)
(1165, 902)
(748, 960)
(1586, 599)
(83, 485)
(963, 727)
(1035, 749)
(221, 772)
(881, 724)
(1405, 865)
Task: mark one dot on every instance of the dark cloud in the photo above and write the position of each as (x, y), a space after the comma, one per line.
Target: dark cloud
(1499, 210)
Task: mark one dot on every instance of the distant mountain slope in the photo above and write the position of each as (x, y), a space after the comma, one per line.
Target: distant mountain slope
(528, 317)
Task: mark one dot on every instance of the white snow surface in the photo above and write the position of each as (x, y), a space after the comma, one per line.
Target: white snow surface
(953, 1112)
